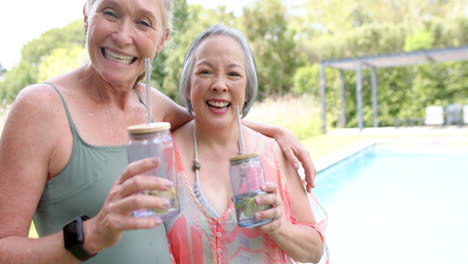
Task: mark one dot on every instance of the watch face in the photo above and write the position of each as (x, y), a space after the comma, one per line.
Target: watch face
(73, 233)
(73, 237)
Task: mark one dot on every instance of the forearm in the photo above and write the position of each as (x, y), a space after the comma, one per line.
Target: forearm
(50, 249)
(268, 130)
(300, 242)
(178, 117)
(167, 110)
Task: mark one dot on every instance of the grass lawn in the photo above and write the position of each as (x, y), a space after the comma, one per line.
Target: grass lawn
(321, 146)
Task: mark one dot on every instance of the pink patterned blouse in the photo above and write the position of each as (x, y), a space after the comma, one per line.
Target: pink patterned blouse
(196, 237)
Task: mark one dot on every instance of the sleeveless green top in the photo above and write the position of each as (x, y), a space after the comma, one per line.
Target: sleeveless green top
(81, 189)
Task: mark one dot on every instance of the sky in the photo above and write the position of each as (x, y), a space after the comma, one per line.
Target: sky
(24, 20)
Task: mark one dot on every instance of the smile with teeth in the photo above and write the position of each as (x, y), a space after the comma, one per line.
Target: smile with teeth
(218, 104)
(118, 57)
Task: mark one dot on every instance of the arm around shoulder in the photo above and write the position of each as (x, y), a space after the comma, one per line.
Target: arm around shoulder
(167, 110)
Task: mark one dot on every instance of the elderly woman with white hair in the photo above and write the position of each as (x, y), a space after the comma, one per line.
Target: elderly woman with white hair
(219, 75)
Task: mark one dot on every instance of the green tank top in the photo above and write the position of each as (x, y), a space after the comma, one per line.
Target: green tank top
(81, 189)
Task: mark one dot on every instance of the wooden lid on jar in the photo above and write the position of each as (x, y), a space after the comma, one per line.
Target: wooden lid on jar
(243, 157)
(149, 128)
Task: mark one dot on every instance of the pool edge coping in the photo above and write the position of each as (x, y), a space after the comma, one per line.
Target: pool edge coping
(344, 153)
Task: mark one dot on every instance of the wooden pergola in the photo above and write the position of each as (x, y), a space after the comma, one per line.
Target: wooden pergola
(373, 62)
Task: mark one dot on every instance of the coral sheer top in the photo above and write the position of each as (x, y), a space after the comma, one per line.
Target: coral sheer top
(198, 237)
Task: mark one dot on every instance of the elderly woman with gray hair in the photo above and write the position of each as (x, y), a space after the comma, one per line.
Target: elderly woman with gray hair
(219, 75)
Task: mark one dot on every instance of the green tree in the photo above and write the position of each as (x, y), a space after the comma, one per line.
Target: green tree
(160, 70)
(66, 37)
(265, 25)
(56, 47)
(21, 75)
(335, 17)
(61, 60)
(305, 80)
(403, 92)
(419, 40)
(289, 46)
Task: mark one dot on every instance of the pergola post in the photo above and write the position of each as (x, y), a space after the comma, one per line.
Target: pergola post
(381, 61)
(342, 97)
(375, 107)
(359, 94)
(323, 99)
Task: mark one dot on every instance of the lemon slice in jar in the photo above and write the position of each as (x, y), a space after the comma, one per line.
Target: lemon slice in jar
(169, 194)
(252, 207)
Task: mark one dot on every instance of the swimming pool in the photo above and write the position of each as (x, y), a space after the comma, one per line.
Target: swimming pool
(394, 203)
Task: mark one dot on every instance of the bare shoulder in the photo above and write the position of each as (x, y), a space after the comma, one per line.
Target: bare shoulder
(38, 97)
(38, 102)
(36, 108)
(183, 134)
(156, 95)
(289, 172)
(279, 155)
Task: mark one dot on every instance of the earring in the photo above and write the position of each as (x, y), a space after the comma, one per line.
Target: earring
(189, 107)
(85, 28)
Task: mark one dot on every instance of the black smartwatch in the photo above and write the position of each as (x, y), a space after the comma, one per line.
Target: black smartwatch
(73, 237)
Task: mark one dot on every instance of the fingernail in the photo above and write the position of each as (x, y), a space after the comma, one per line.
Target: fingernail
(165, 203)
(167, 184)
(258, 215)
(155, 160)
(258, 200)
(297, 165)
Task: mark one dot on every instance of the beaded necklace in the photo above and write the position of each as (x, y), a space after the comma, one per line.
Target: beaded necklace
(196, 166)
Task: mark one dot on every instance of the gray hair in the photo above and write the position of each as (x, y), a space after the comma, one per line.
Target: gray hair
(166, 12)
(219, 30)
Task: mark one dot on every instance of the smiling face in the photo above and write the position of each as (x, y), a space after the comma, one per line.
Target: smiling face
(121, 34)
(218, 80)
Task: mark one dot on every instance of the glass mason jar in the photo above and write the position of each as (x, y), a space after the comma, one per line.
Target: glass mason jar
(247, 176)
(154, 140)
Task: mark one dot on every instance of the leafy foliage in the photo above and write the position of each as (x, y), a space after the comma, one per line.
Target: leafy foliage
(305, 79)
(288, 47)
(54, 52)
(66, 37)
(403, 92)
(265, 25)
(61, 60)
(15, 79)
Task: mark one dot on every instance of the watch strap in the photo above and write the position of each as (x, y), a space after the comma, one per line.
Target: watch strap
(74, 238)
(80, 253)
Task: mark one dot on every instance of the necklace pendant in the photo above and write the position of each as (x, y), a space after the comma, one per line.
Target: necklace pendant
(196, 165)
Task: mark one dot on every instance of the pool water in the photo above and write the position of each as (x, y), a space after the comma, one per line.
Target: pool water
(389, 204)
